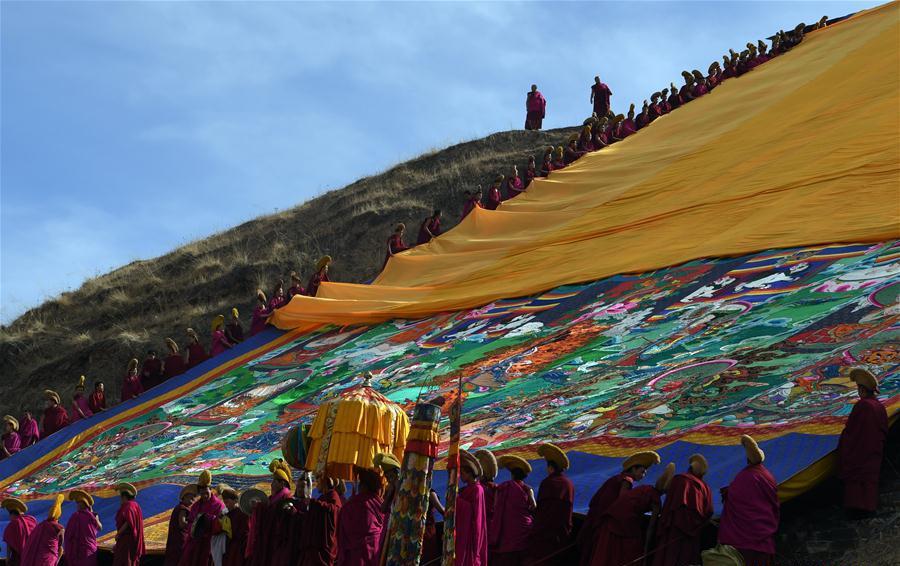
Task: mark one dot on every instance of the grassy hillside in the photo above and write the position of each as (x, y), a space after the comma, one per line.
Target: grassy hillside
(111, 318)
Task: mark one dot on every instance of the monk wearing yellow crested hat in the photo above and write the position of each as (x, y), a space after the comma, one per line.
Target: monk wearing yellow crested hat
(634, 468)
(751, 513)
(319, 276)
(11, 442)
(80, 538)
(514, 505)
(318, 538)
(17, 530)
(687, 510)
(552, 525)
(129, 545)
(179, 528)
(45, 543)
(861, 447)
(55, 415)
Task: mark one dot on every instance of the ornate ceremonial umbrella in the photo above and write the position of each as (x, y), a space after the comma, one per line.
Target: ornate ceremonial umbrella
(349, 430)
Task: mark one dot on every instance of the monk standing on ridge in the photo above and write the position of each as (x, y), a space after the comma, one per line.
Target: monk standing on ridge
(861, 447)
(552, 525)
(535, 108)
(687, 510)
(600, 95)
(751, 513)
(494, 198)
(634, 468)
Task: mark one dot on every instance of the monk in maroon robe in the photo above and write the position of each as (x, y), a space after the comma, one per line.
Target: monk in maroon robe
(318, 541)
(45, 542)
(514, 506)
(129, 545)
(261, 312)
(395, 243)
(627, 126)
(687, 510)
(473, 201)
(151, 370)
(547, 165)
(11, 442)
(173, 364)
(530, 173)
(81, 409)
(486, 479)
(514, 185)
(552, 525)
(131, 383)
(643, 119)
(535, 108)
(80, 537)
(278, 299)
(471, 516)
(700, 87)
(430, 228)
(750, 517)
(236, 550)
(431, 541)
(17, 530)
(571, 154)
(273, 539)
(234, 331)
(29, 431)
(634, 468)
(296, 286)
(622, 538)
(218, 341)
(494, 197)
(600, 95)
(179, 528)
(861, 447)
(674, 99)
(319, 277)
(196, 353)
(361, 522)
(55, 415)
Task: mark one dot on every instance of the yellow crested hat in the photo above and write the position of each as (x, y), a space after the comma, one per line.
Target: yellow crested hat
(280, 470)
(514, 463)
(488, 464)
(190, 489)
(205, 479)
(126, 488)
(645, 459)
(217, 323)
(386, 461)
(665, 478)
(467, 460)
(55, 511)
(228, 492)
(755, 455)
(554, 454)
(14, 504)
(77, 495)
(52, 395)
(698, 464)
(80, 385)
(234, 312)
(864, 377)
(173, 346)
(12, 421)
(323, 261)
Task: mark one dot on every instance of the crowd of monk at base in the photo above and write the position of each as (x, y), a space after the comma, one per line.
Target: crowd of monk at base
(602, 129)
(496, 525)
(154, 370)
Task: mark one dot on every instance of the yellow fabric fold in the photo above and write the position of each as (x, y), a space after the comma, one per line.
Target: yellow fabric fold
(802, 150)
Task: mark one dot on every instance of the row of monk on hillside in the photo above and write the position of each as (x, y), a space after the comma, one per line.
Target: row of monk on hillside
(504, 524)
(154, 370)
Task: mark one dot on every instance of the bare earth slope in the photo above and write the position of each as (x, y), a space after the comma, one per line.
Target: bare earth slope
(111, 318)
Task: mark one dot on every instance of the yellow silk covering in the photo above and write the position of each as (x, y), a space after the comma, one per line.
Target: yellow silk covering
(803, 150)
(350, 430)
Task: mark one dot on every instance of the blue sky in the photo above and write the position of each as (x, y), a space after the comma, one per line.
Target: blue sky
(130, 128)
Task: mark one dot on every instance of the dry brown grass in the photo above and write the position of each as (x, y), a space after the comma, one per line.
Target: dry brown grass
(95, 329)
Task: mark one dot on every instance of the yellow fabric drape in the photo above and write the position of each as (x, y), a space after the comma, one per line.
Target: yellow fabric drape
(803, 150)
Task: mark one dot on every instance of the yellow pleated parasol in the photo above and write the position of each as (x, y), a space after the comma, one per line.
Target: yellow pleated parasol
(348, 431)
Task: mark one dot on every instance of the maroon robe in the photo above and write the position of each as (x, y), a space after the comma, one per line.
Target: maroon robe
(604, 497)
(55, 418)
(174, 365)
(432, 225)
(237, 544)
(471, 527)
(15, 535)
(359, 530)
(395, 245)
(151, 373)
(431, 542)
(276, 302)
(261, 314)
(642, 120)
(860, 452)
(536, 109)
(12, 443)
(700, 90)
(621, 537)
(751, 513)
(29, 432)
(601, 94)
(218, 343)
(178, 535)
(490, 496)
(296, 289)
(546, 168)
(235, 332)
(552, 520)
(312, 288)
(509, 529)
(130, 545)
(318, 541)
(674, 101)
(42, 548)
(514, 186)
(570, 154)
(599, 139)
(131, 387)
(196, 354)
(273, 538)
(687, 510)
(79, 403)
(80, 539)
(627, 128)
(529, 176)
(493, 198)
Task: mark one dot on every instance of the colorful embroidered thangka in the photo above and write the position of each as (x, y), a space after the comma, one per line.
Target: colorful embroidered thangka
(689, 356)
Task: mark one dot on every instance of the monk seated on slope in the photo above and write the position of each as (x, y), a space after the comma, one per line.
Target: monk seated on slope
(861, 447)
(559, 160)
(585, 140)
(494, 198)
(572, 153)
(514, 184)
(530, 172)
(547, 163)
(473, 201)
